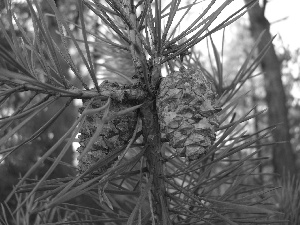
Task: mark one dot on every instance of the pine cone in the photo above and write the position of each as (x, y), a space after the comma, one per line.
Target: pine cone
(115, 134)
(186, 112)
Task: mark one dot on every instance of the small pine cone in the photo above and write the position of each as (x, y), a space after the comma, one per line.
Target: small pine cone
(115, 134)
(186, 112)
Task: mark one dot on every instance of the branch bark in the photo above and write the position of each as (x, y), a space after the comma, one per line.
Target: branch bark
(283, 155)
(151, 133)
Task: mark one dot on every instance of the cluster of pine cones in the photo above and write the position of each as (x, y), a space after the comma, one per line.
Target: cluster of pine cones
(187, 117)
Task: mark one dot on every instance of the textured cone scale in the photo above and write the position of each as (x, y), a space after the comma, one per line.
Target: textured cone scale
(115, 135)
(186, 112)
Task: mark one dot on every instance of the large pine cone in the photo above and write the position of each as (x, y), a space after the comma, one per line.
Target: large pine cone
(186, 112)
(115, 135)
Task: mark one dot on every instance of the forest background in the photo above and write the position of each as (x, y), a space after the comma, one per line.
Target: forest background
(278, 94)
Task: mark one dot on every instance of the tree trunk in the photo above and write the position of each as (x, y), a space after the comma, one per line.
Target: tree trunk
(283, 156)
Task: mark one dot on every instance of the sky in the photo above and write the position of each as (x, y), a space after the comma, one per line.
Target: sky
(288, 29)
(283, 15)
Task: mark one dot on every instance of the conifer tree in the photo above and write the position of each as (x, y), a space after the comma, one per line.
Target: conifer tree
(155, 148)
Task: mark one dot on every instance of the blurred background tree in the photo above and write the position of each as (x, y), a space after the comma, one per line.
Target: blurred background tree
(284, 159)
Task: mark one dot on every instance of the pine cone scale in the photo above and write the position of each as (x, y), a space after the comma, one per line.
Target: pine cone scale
(115, 134)
(186, 112)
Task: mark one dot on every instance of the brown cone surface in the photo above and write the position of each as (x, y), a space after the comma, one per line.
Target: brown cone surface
(115, 135)
(186, 112)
